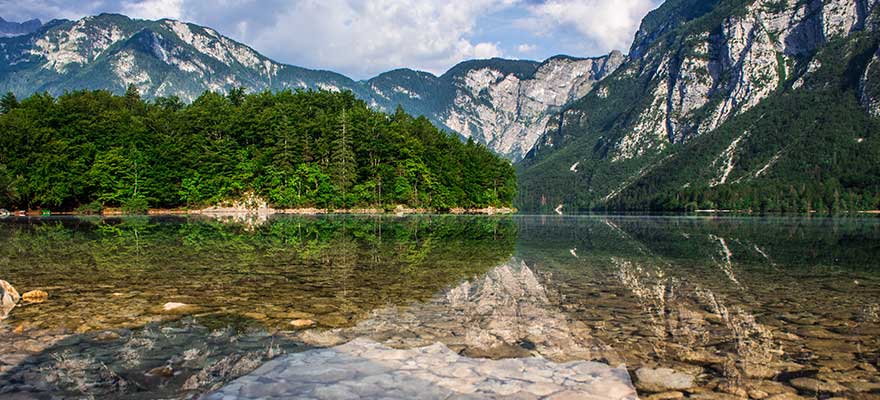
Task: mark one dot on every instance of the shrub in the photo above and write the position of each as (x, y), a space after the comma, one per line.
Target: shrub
(136, 205)
(92, 208)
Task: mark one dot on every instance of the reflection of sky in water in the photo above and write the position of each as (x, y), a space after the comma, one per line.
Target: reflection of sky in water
(738, 304)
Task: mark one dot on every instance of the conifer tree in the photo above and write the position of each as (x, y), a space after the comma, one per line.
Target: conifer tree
(343, 159)
(8, 103)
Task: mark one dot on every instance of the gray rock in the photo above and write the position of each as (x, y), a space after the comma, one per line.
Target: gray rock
(363, 368)
(816, 386)
(8, 299)
(663, 380)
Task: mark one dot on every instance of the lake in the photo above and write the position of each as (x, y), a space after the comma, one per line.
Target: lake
(442, 307)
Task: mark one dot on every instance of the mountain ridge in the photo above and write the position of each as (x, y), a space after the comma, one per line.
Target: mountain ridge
(10, 28)
(694, 68)
(167, 57)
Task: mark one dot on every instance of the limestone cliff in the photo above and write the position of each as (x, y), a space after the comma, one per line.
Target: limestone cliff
(694, 65)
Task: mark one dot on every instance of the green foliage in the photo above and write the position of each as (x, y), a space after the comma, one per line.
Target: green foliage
(296, 149)
(138, 204)
(93, 208)
(8, 102)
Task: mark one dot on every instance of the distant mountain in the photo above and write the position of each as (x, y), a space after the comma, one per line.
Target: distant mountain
(505, 104)
(9, 29)
(743, 104)
(161, 58)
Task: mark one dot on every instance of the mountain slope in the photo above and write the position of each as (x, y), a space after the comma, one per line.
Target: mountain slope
(697, 70)
(504, 104)
(161, 58)
(9, 28)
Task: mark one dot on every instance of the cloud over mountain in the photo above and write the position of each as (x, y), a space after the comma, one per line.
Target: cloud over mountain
(362, 38)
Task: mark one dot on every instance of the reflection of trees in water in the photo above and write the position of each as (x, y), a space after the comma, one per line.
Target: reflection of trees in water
(337, 268)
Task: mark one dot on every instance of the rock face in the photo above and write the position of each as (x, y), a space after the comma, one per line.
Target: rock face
(509, 112)
(8, 299)
(694, 66)
(703, 77)
(366, 369)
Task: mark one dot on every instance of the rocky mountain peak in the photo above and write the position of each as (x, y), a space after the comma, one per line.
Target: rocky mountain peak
(9, 29)
(509, 106)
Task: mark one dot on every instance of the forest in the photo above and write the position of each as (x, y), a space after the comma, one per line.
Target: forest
(88, 150)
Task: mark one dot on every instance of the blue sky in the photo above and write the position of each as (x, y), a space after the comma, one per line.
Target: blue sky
(362, 38)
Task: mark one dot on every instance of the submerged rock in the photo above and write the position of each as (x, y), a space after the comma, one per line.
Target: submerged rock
(505, 313)
(107, 336)
(301, 323)
(8, 299)
(35, 296)
(366, 369)
(178, 308)
(817, 386)
(164, 372)
(663, 380)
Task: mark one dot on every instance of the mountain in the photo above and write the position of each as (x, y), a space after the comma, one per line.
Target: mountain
(9, 28)
(161, 58)
(505, 104)
(744, 104)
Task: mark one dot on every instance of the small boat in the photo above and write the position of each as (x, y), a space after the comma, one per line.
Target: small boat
(4, 212)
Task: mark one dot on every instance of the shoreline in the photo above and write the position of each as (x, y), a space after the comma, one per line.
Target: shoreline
(266, 211)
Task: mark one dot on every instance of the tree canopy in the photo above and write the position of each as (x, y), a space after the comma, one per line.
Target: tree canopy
(295, 149)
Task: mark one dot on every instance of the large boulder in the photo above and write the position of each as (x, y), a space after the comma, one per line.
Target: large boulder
(8, 299)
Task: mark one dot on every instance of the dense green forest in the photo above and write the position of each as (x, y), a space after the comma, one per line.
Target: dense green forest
(93, 149)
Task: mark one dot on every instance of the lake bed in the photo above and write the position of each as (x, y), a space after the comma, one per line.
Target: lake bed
(699, 307)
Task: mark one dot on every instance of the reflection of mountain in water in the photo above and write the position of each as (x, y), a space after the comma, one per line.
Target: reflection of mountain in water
(506, 315)
(507, 312)
(659, 313)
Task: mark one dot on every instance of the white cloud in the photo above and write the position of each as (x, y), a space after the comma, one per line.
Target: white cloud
(526, 48)
(362, 38)
(366, 37)
(608, 24)
(153, 9)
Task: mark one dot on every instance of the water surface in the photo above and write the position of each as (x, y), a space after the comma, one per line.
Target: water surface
(749, 307)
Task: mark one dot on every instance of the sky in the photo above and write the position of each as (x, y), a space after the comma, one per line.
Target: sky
(362, 38)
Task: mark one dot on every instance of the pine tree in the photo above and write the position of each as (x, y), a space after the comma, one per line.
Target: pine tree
(132, 97)
(343, 161)
(236, 96)
(8, 103)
